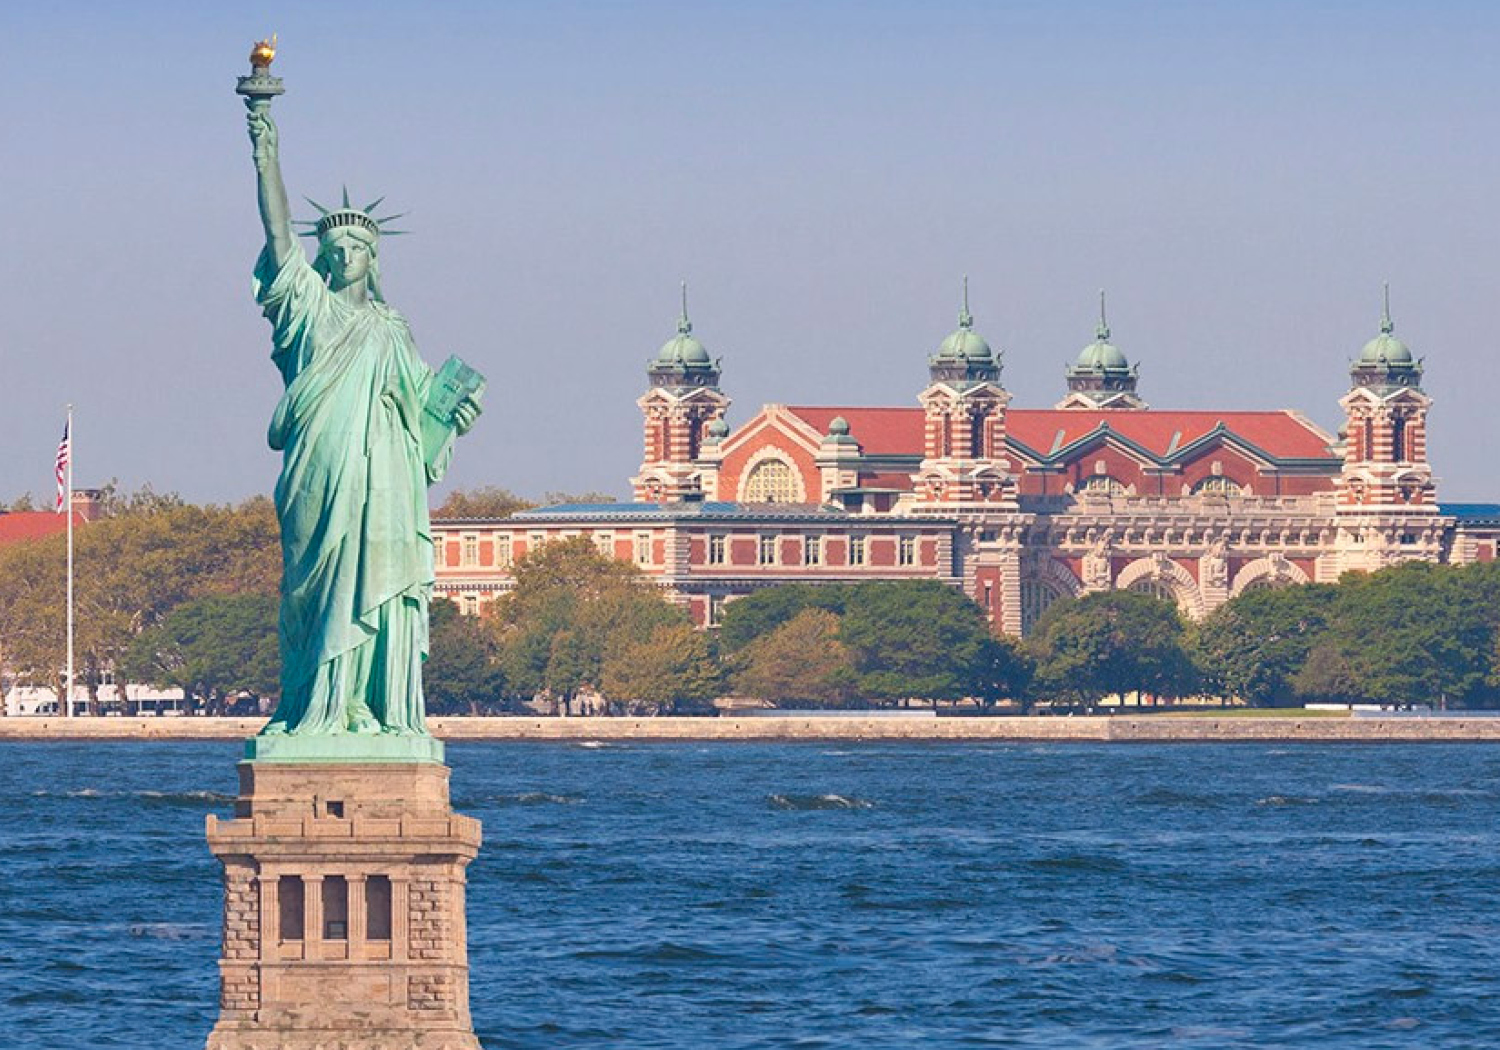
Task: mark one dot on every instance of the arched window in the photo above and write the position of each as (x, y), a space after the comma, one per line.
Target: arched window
(1102, 484)
(1036, 596)
(1217, 485)
(1155, 588)
(771, 481)
(1266, 583)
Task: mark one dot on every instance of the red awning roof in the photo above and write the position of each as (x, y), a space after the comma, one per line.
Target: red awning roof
(899, 431)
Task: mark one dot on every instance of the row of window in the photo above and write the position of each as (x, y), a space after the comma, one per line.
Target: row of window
(768, 550)
(1214, 484)
(604, 542)
(291, 893)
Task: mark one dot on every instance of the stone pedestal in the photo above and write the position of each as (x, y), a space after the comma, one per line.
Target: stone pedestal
(344, 924)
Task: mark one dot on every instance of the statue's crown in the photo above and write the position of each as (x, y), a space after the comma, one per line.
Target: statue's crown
(341, 217)
(346, 216)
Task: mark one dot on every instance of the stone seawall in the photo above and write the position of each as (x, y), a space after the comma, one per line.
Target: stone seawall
(1119, 728)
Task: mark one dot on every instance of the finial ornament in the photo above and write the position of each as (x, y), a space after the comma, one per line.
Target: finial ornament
(684, 326)
(966, 319)
(1387, 326)
(1102, 332)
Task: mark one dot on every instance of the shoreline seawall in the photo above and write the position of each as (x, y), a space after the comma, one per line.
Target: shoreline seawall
(1102, 729)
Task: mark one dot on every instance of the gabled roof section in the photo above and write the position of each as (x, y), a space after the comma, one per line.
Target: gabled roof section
(778, 417)
(1160, 434)
(879, 431)
(1163, 434)
(34, 524)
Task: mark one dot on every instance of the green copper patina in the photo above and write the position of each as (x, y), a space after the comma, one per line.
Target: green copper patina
(352, 497)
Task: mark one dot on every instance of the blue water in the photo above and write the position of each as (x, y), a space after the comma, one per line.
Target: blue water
(807, 896)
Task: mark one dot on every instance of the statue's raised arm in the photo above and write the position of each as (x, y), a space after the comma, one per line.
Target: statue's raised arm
(275, 211)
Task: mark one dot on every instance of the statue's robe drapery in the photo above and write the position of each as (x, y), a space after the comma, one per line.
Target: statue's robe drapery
(352, 501)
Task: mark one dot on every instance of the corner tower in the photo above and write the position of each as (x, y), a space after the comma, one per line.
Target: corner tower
(1387, 498)
(964, 458)
(683, 402)
(1101, 377)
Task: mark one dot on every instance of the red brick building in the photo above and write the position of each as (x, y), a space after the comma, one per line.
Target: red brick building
(1018, 506)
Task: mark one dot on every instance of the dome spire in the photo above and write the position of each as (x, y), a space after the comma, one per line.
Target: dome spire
(684, 326)
(1387, 326)
(1102, 332)
(965, 319)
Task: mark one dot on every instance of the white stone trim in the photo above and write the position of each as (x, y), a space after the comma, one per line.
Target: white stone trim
(768, 452)
(1160, 567)
(1275, 567)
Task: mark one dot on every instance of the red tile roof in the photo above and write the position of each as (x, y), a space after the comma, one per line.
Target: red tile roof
(899, 431)
(34, 524)
(880, 431)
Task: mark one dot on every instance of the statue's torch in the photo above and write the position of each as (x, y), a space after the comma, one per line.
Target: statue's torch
(260, 87)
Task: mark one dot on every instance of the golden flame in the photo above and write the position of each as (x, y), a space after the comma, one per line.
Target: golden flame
(263, 52)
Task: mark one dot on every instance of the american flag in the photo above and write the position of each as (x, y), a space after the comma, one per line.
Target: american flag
(64, 454)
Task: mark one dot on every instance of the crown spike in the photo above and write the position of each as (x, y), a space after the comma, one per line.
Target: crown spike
(321, 210)
(346, 195)
(369, 208)
(1387, 326)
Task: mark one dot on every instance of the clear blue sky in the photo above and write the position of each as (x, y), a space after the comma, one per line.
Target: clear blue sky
(1241, 177)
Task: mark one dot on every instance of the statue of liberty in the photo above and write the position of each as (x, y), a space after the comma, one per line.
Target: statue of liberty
(358, 456)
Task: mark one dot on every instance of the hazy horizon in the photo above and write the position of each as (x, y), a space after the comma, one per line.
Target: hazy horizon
(1240, 179)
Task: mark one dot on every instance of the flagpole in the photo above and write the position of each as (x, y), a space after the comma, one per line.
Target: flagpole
(68, 510)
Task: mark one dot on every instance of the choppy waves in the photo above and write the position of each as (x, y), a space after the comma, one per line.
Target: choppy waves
(760, 897)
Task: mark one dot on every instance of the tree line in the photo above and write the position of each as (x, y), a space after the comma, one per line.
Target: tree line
(185, 596)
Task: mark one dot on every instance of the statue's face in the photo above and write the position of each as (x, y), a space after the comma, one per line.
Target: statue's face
(348, 255)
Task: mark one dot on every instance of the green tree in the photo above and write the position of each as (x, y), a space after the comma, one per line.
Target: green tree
(487, 501)
(552, 499)
(803, 661)
(212, 648)
(670, 668)
(462, 674)
(568, 605)
(131, 570)
(759, 613)
(1253, 646)
(918, 638)
(1416, 633)
(1110, 644)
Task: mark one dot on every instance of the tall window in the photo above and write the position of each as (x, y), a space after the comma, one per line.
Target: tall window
(766, 551)
(1217, 485)
(292, 906)
(1036, 596)
(812, 550)
(716, 550)
(856, 550)
(643, 548)
(469, 604)
(906, 551)
(771, 481)
(468, 551)
(715, 610)
(378, 908)
(335, 908)
(504, 555)
(1398, 440)
(604, 543)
